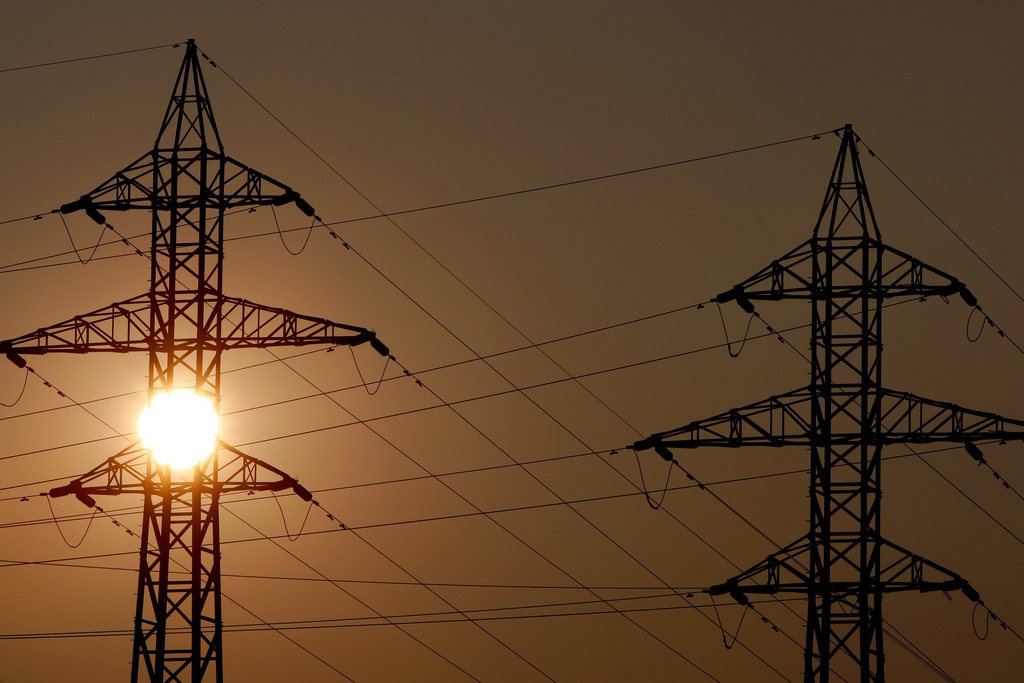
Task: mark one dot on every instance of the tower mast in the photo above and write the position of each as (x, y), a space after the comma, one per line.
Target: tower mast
(845, 416)
(183, 323)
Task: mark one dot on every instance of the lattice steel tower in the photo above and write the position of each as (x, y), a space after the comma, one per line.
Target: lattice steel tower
(184, 323)
(846, 416)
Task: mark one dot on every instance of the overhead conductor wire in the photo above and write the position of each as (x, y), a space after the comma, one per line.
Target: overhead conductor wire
(341, 176)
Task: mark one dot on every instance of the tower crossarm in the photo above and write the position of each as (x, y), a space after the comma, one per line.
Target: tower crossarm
(216, 181)
(785, 571)
(249, 325)
(120, 327)
(790, 276)
(128, 472)
(242, 472)
(906, 418)
(785, 420)
(124, 326)
(124, 472)
(775, 421)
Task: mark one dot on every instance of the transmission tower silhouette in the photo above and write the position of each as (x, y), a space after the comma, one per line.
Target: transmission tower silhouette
(845, 416)
(184, 323)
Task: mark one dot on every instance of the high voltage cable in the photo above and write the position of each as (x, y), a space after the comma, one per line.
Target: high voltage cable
(129, 510)
(224, 595)
(903, 641)
(505, 452)
(83, 59)
(347, 622)
(388, 215)
(581, 515)
(941, 220)
(536, 188)
(908, 645)
(552, 417)
(390, 620)
(918, 454)
(519, 390)
(404, 232)
(387, 416)
(539, 188)
(245, 609)
(546, 412)
(489, 516)
(363, 385)
(373, 582)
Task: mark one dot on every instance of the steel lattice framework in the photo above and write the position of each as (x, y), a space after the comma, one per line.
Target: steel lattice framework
(184, 323)
(845, 416)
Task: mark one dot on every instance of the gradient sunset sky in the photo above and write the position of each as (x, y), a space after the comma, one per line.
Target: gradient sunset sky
(418, 104)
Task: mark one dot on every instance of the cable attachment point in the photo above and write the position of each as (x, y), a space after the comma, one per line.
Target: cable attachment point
(740, 599)
(975, 453)
(12, 356)
(84, 202)
(300, 203)
(75, 489)
(966, 295)
(380, 347)
(651, 503)
(664, 452)
(736, 293)
(969, 592)
(302, 492)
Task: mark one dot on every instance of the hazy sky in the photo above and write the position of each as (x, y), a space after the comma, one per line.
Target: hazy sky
(424, 103)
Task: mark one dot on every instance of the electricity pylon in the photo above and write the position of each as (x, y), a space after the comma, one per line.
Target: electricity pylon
(845, 416)
(184, 323)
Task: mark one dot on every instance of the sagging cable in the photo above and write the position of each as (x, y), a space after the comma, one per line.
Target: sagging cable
(24, 385)
(380, 380)
(74, 247)
(725, 329)
(643, 483)
(280, 234)
(974, 621)
(284, 520)
(743, 600)
(95, 509)
(981, 328)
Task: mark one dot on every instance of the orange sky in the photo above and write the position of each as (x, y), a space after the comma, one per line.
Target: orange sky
(419, 104)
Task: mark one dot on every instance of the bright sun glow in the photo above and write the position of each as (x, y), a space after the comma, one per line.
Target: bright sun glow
(180, 427)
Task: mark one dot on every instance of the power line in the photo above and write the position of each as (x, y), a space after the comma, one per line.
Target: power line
(84, 59)
(374, 582)
(549, 415)
(354, 622)
(918, 454)
(941, 220)
(242, 607)
(404, 413)
(128, 510)
(363, 385)
(365, 604)
(771, 332)
(514, 193)
(489, 516)
(452, 274)
(402, 212)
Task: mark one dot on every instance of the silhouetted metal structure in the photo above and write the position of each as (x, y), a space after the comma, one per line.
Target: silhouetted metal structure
(845, 416)
(184, 323)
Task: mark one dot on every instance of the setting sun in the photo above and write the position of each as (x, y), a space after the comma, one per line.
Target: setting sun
(180, 428)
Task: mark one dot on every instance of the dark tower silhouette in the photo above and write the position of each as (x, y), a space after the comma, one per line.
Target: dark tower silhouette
(845, 416)
(184, 323)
